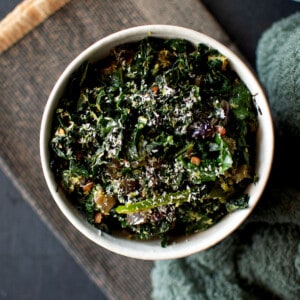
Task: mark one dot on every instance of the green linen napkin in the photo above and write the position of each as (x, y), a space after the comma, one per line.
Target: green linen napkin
(260, 260)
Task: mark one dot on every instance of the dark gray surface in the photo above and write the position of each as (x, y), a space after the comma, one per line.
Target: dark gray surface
(6, 6)
(33, 264)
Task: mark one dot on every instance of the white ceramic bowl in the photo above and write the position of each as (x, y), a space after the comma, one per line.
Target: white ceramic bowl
(184, 246)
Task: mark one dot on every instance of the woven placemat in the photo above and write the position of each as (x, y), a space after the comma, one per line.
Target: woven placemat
(29, 69)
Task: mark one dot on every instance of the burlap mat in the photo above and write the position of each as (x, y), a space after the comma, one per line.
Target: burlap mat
(29, 70)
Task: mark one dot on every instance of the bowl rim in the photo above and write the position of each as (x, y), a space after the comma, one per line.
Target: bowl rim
(151, 250)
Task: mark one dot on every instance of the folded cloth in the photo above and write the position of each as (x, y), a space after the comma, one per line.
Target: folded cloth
(260, 260)
(278, 65)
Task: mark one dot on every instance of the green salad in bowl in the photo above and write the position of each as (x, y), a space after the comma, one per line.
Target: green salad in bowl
(154, 139)
(157, 139)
